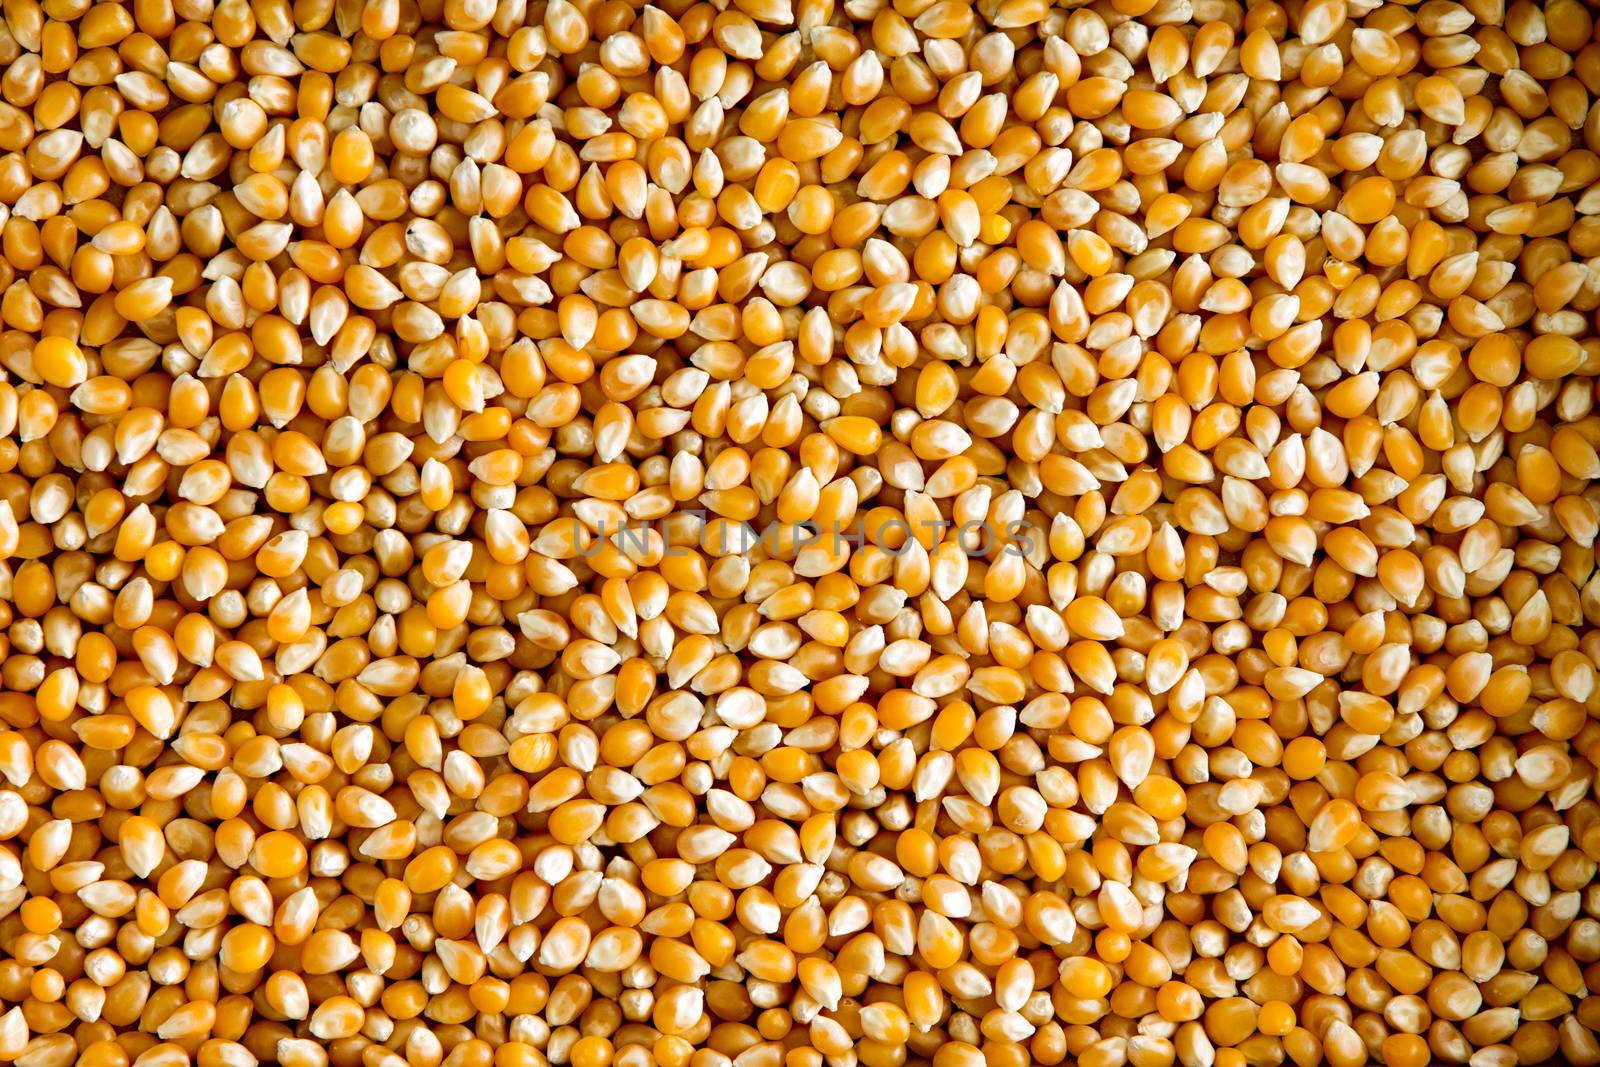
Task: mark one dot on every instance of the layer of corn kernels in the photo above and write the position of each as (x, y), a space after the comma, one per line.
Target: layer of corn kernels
(799, 533)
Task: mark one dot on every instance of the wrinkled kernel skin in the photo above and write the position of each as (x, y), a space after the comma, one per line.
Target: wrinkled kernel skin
(796, 534)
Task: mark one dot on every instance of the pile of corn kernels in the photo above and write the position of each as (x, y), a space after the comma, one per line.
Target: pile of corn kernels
(799, 533)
